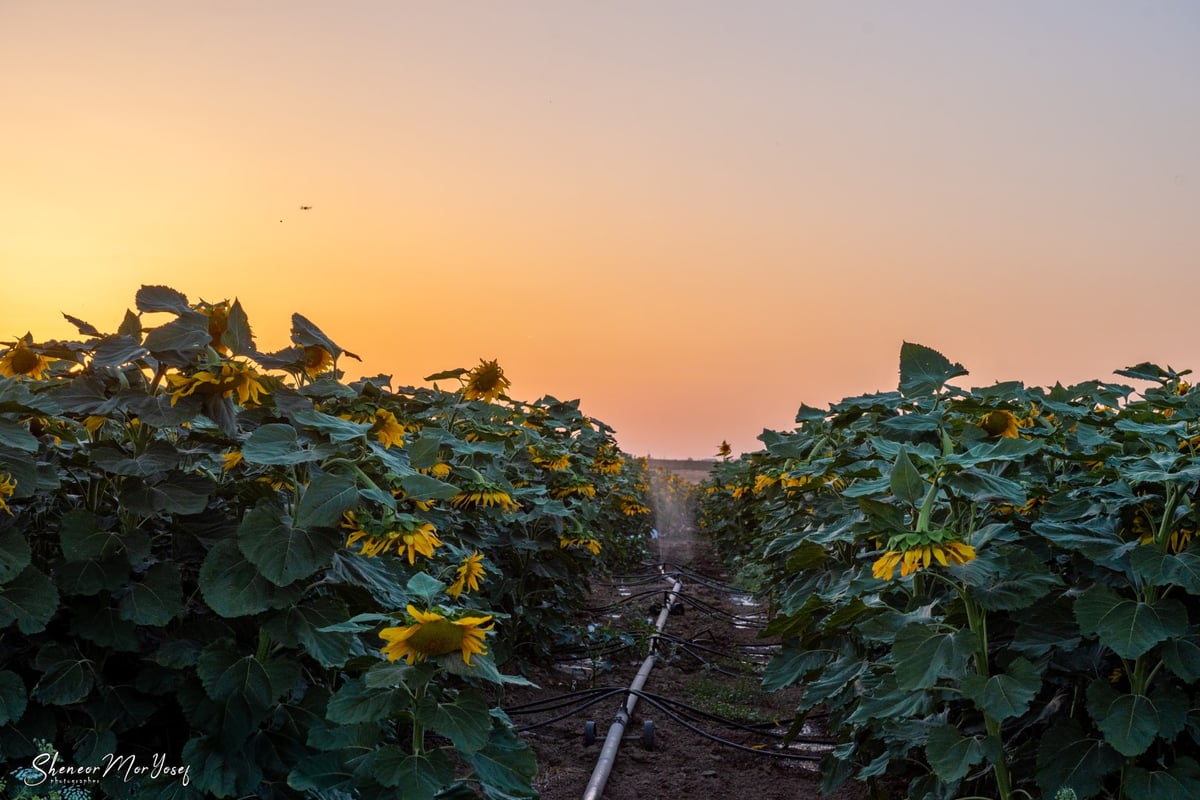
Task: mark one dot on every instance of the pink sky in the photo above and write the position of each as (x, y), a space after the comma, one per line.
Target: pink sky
(692, 216)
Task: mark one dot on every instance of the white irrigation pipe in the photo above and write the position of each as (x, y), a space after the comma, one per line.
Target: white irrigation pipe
(608, 755)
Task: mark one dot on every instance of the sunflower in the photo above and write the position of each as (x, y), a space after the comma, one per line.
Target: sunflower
(482, 493)
(434, 634)
(607, 462)
(630, 507)
(1001, 423)
(469, 573)
(21, 362)
(587, 543)
(408, 535)
(574, 486)
(921, 556)
(485, 382)
(555, 461)
(387, 429)
(441, 470)
(218, 323)
(724, 450)
(231, 460)
(8, 485)
(233, 378)
(316, 360)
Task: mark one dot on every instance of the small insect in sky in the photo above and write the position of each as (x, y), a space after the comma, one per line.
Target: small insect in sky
(305, 208)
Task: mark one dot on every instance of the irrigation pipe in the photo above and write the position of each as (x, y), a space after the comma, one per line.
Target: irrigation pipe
(608, 755)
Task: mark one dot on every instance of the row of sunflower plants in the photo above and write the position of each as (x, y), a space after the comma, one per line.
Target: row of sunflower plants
(992, 592)
(235, 564)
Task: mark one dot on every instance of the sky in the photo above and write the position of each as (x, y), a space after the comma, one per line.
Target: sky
(693, 216)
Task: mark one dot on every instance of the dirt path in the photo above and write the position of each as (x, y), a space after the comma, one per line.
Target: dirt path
(711, 661)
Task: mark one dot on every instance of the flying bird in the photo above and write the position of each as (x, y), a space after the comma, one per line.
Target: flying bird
(305, 208)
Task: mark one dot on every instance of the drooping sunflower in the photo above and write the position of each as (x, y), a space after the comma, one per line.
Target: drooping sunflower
(433, 634)
(486, 495)
(387, 429)
(630, 507)
(469, 572)
(485, 382)
(607, 462)
(921, 556)
(232, 378)
(22, 363)
(584, 542)
(218, 323)
(1001, 423)
(573, 486)
(406, 533)
(316, 360)
(553, 460)
(8, 485)
(441, 470)
(231, 460)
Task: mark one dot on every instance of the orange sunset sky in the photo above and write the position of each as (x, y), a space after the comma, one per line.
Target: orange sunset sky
(693, 216)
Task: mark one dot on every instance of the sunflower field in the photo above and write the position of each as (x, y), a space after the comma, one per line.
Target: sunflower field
(297, 587)
(991, 592)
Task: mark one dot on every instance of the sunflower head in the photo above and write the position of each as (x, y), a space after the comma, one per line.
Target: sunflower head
(469, 572)
(8, 485)
(316, 360)
(218, 323)
(230, 379)
(387, 429)
(23, 363)
(485, 382)
(724, 450)
(432, 633)
(484, 494)
(1000, 423)
(935, 548)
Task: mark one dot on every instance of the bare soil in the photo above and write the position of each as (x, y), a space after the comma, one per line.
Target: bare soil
(711, 658)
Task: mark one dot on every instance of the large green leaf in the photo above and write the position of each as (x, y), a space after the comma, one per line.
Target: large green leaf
(67, 677)
(1181, 781)
(1005, 694)
(466, 720)
(276, 444)
(301, 625)
(237, 336)
(422, 487)
(1129, 627)
(282, 553)
(1181, 655)
(233, 587)
(1008, 579)
(158, 457)
(422, 776)
(324, 500)
(1070, 758)
(336, 428)
(16, 435)
(950, 754)
(1129, 722)
(14, 553)
(173, 493)
(29, 599)
(924, 653)
(354, 702)
(156, 599)
(924, 370)
(161, 298)
(505, 763)
(982, 487)
(180, 341)
(1160, 568)
(12, 697)
(87, 578)
(905, 481)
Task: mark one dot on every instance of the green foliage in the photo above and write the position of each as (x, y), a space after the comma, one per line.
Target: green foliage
(200, 544)
(1042, 637)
